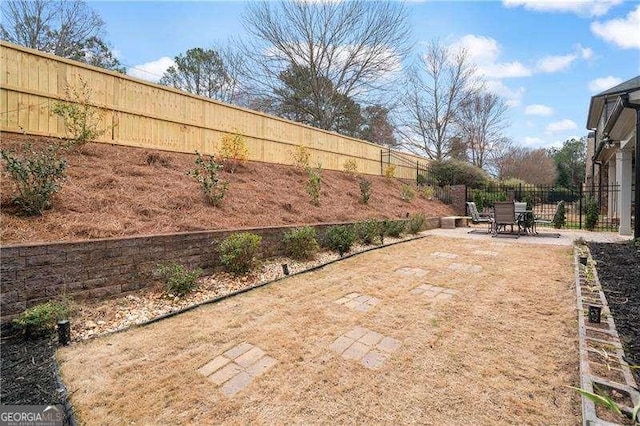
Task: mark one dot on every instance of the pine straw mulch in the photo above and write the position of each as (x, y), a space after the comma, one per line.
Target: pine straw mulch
(115, 191)
(501, 351)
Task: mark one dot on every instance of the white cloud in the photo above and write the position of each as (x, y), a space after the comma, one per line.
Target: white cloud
(623, 32)
(484, 52)
(538, 109)
(513, 97)
(584, 52)
(603, 83)
(555, 63)
(561, 126)
(582, 7)
(151, 71)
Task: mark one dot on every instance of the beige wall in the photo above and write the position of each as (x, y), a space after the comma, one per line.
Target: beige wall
(141, 114)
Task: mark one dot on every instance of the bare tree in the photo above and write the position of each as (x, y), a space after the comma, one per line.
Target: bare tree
(536, 166)
(436, 87)
(357, 46)
(482, 119)
(70, 29)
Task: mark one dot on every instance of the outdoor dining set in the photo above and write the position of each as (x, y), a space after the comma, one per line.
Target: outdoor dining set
(509, 218)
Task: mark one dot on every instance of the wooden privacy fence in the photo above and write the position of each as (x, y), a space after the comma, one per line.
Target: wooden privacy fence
(142, 114)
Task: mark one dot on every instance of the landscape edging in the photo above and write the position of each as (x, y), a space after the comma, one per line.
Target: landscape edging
(587, 377)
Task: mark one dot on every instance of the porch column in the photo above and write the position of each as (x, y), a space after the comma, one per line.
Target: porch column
(623, 178)
(612, 209)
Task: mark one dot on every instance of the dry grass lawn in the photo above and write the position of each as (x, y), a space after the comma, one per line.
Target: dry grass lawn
(502, 351)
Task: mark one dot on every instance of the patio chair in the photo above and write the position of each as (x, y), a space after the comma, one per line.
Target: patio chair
(504, 214)
(477, 217)
(547, 221)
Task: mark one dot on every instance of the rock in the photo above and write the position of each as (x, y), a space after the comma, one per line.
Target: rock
(90, 324)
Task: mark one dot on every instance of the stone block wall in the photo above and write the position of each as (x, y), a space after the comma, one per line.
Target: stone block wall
(95, 269)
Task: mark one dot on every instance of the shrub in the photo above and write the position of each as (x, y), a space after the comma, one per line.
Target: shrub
(213, 188)
(421, 180)
(301, 156)
(234, 150)
(238, 252)
(479, 199)
(365, 190)
(339, 238)
(416, 223)
(314, 182)
(81, 120)
(592, 214)
(427, 192)
(300, 243)
(177, 280)
(560, 217)
(42, 319)
(368, 231)
(407, 193)
(390, 170)
(351, 167)
(455, 172)
(37, 177)
(393, 228)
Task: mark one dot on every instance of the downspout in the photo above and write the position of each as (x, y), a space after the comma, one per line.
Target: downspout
(594, 161)
(627, 104)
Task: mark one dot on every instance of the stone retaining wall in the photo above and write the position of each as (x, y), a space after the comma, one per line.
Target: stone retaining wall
(95, 269)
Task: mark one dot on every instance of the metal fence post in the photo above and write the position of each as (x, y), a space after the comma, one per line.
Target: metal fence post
(580, 208)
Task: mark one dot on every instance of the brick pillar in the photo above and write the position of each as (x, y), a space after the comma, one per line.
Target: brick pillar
(458, 199)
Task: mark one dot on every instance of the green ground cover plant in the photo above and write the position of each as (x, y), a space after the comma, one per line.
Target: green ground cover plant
(178, 281)
(238, 252)
(301, 243)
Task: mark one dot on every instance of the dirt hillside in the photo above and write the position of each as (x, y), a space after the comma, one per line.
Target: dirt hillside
(118, 191)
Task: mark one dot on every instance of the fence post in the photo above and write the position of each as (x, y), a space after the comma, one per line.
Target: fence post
(381, 167)
(580, 207)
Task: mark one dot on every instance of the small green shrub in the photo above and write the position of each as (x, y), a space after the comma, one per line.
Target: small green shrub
(37, 175)
(407, 193)
(365, 190)
(368, 231)
(427, 192)
(339, 238)
(421, 180)
(301, 243)
(177, 280)
(42, 319)
(206, 173)
(238, 252)
(416, 223)
(592, 214)
(393, 228)
(479, 199)
(82, 121)
(560, 217)
(313, 184)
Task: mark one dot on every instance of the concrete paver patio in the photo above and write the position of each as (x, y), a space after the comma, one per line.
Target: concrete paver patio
(491, 342)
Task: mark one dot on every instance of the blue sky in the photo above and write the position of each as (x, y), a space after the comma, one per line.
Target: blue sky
(545, 58)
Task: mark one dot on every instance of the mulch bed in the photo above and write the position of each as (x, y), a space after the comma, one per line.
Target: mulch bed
(28, 369)
(618, 266)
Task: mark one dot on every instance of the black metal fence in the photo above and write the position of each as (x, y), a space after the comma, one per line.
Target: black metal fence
(584, 208)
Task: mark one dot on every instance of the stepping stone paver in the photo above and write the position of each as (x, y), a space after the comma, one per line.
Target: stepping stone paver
(236, 368)
(434, 292)
(358, 302)
(445, 255)
(465, 267)
(369, 347)
(413, 272)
